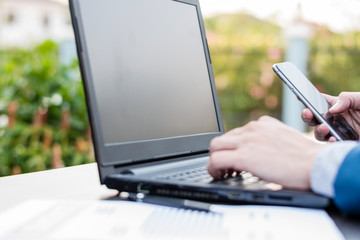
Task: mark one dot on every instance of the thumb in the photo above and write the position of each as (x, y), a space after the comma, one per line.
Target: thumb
(346, 101)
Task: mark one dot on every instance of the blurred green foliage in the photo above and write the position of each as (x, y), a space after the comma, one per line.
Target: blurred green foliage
(243, 49)
(40, 85)
(334, 61)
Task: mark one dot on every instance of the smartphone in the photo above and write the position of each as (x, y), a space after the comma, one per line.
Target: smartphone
(314, 100)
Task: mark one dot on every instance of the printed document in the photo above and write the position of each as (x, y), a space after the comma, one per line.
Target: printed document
(110, 220)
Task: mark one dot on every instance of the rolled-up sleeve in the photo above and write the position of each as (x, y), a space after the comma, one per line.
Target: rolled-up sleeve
(326, 167)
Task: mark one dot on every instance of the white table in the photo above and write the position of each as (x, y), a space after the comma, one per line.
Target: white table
(72, 183)
(82, 183)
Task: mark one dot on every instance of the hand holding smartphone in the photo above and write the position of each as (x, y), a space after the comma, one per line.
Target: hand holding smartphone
(314, 100)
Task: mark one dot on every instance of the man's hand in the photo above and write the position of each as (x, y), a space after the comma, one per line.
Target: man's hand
(268, 149)
(347, 104)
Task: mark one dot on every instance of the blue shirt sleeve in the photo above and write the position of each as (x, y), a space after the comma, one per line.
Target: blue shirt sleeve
(347, 183)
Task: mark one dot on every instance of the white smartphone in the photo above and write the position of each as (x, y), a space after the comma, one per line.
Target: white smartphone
(314, 100)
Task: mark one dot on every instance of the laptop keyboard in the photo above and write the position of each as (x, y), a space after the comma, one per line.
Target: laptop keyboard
(201, 175)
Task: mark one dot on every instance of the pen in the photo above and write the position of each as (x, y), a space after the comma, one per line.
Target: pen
(166, 201)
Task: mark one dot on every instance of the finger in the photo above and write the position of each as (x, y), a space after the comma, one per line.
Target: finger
(346, 101)
(223, 161)
(252, 126)
(235, 131)
(266, 118)
(340, 106)
(330, 99)
(332, 139)
(225, 142)
(266, 121)
(322, 132)
(308, 117)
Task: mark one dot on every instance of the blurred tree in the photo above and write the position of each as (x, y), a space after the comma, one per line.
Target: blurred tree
(43, 110)
(335, 61)
(243, 49)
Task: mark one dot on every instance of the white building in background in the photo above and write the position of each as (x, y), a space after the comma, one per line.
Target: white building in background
(27, 22)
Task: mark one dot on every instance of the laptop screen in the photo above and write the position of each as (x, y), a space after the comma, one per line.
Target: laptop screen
(148, 78)
(150, 71)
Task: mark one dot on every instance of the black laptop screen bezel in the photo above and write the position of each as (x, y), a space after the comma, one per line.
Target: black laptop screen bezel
(123, 154)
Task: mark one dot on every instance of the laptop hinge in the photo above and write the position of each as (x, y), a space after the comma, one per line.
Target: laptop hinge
(164, 157)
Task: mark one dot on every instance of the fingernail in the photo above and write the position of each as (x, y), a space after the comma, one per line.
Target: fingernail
(304, 117)
(334, 106)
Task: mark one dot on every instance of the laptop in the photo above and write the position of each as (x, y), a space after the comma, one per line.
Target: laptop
(153, 106)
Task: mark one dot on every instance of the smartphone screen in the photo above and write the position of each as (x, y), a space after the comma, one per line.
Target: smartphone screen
(314, 100)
